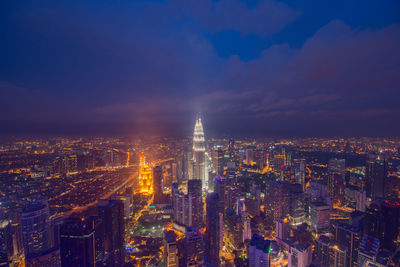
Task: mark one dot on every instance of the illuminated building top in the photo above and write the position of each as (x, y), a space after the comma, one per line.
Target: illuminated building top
(198, 136)
(145, 176)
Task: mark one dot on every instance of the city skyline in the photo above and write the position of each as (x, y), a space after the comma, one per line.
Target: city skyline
(253, 68)
(200, 133)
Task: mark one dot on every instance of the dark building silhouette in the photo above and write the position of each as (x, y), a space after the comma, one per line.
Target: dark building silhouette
(391, 224)
(36, 228)
(376, 174)
(194, 187)
(6, 243)
(111, 232)
(213, 233)
(194, 247)
(157, 184)
(336, 179)
(219, 188)
(77, 247)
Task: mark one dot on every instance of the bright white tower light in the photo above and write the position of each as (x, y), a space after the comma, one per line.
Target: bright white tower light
(199, 149)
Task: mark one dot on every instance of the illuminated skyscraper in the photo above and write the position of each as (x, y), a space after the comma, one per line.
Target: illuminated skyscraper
(199, 149)
(145, 179)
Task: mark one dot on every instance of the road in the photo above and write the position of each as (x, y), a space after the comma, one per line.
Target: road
(82, 208)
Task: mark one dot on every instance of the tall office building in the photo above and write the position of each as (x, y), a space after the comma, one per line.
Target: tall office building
(322, 250)
(276, 200)
(170, 249)
(249, 156)
(77, 243)
(145, 176)
(219, 161)
(214, 229)
(194, 247)
(188, 208)
(36, 228)
(258, 252)
(219, 188)
(157, 184)
(6, 243)
(282, 229)
(299, 172)
(376, 175)
(194, 187)
(336, 179)
(368, 250)
(320, 214)
(199, 150)
(391, 224)
(348, 237)
(296, 204)
(300, 255)
(111, 231)
(195, 212)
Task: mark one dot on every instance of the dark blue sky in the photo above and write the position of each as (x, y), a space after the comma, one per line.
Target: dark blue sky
(255, 68)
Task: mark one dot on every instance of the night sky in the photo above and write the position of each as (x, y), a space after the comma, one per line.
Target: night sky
(252, 68)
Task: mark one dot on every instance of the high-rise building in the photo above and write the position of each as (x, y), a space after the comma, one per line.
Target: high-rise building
(276, 200)
(299, 172)
(391, 224)
(170, 249)
(145, 176)
(338, 256)
(111, 231)
(320, 214)
(219, 162)
(355, 198)
(368, 250)
(194, 247)
(282, 229)
(77, 243)
(199, 150)
(347, 236)
(250, 156)
(219, 188)
(300, 255)
(376, 176)
(6, 243)
(322, 250)
(259, 251)
(157, 184)
(36, 228)
(296, 204)
(194, 187)
(126, 201)
(336, 179)
(214, 231)
(188, 208)
(195, 212)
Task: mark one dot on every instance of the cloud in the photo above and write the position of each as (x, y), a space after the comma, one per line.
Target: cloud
(266, 18)
(150, 66)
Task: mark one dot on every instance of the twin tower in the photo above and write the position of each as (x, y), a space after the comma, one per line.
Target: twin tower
(199, 154)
